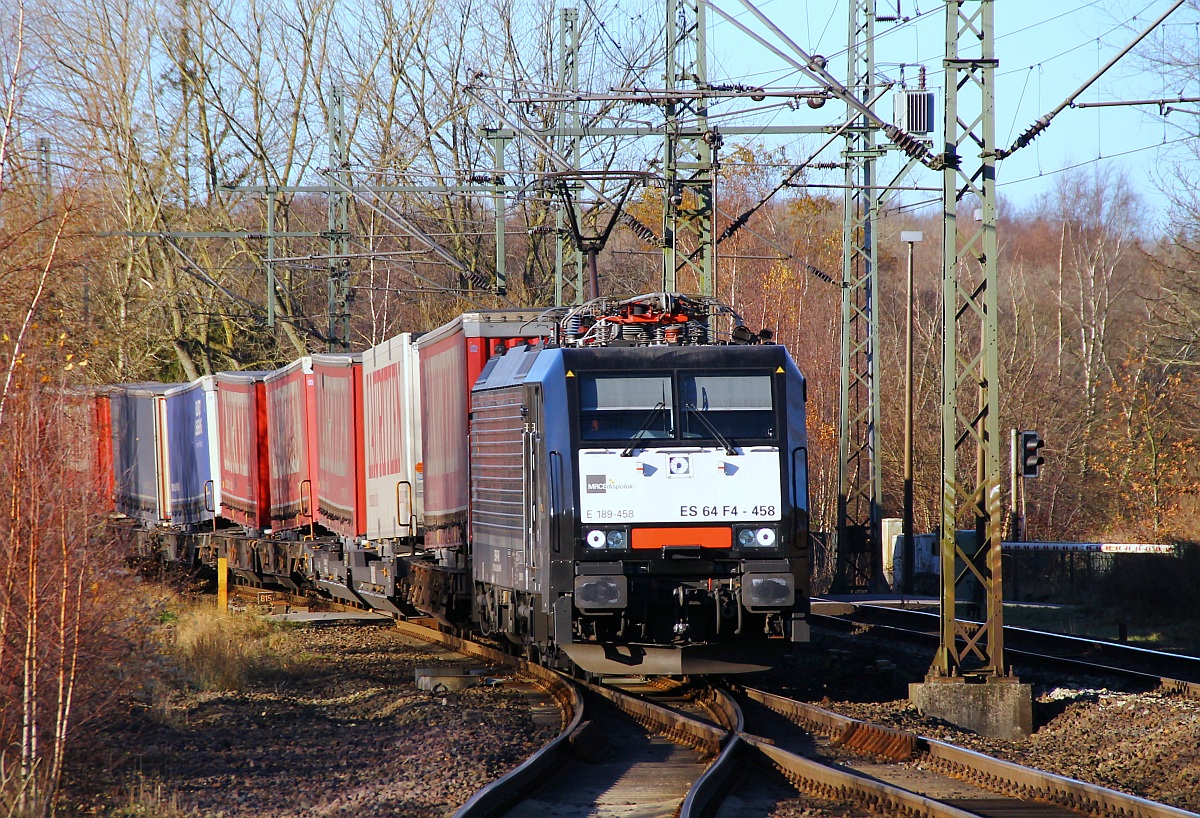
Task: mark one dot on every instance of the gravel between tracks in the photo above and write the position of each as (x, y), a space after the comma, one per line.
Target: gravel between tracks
(1143, 743)
(345, 732)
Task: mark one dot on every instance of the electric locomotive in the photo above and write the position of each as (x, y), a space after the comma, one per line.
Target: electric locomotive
(638, 492)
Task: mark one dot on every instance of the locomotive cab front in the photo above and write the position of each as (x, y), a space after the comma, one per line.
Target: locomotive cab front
(690, 528)
(639, 498)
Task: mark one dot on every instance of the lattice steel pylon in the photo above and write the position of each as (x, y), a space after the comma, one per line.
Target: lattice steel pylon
(688, 209)
(970, 357)
(567, 258)
(859, 565)
(339, 226)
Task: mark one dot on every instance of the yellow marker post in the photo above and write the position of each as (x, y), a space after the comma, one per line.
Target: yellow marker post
(222, 584)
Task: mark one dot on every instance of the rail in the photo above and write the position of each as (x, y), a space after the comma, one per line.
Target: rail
(496, 797)
(897, 745)
(1026, 782)
(1176, 673)
(985, 771)
(726, 740)
(680, 728)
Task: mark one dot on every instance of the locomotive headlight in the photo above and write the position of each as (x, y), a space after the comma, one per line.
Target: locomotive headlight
(611, 538)
(616, 539)
(768, 591)
(764, 537)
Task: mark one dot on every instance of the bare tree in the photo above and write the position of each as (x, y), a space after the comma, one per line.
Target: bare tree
(1097, 293)
(49, 629)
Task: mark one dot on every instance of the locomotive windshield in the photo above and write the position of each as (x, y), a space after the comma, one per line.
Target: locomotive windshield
(691, 406)
(736, 406)
(624, 407)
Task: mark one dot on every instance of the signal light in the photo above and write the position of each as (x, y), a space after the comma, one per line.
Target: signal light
(1031, 456)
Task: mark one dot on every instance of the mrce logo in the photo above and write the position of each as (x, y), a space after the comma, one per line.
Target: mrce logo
(600, 484)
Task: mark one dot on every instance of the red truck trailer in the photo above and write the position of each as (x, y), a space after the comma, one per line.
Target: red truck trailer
(341, 496)
(292, 444)
(245, 483)
(451, 359)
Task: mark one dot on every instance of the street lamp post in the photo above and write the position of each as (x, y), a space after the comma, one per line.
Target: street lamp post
(909, 237)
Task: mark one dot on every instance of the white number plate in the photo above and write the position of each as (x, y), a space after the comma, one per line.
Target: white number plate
(669, 485)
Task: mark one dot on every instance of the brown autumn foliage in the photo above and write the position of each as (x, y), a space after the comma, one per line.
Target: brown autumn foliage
(1099, 318)
(65, 627)
(1086, 291)
(65, 654)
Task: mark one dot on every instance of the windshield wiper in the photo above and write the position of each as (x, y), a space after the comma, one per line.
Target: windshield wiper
(729, 450)
(644, 428)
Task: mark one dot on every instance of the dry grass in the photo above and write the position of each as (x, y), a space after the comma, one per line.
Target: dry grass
(217, 650)
(149, 799)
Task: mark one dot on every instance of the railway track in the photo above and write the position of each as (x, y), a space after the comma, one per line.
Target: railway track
(635, 756)
(897, 772)
(633, 748)
(1174, 672)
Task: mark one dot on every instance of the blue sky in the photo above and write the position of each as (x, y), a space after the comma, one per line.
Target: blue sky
(1047, 49)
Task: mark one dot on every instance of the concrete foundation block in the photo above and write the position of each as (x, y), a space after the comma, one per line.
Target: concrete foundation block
(446, 680)
(1000, 708)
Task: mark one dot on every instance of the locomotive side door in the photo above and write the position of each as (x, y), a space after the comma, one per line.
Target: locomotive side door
(534, 509)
